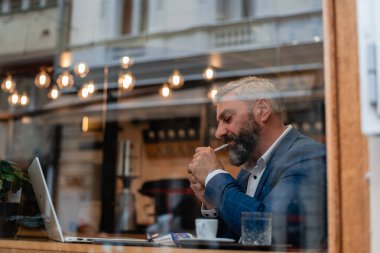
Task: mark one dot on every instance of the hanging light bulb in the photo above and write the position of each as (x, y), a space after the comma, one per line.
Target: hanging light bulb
(65, 80)
(90, 87)
(85, 124)
(24, 99)
(126, 82)
(176, 80)
(81, 69)
(8, 84)
(209, 73)
(126, 62)
(165, 90)
(13, 99)
(212, 93)
(65, 59)
(42, 79)
(83, 92)
(53, 93)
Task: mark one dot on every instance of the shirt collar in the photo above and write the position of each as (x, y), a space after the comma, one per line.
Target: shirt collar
(264, 159)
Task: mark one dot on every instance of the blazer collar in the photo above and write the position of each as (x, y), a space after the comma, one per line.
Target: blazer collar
(278, 153)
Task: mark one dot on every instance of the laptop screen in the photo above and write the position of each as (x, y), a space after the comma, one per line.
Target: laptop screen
(45, 203)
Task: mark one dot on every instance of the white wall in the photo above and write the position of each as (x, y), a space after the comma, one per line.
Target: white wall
(27, 32)
(94, 20)
(284, 7)
(169, 15)
(374, 169)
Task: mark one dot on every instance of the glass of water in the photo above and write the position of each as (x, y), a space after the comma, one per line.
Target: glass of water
(256, 228)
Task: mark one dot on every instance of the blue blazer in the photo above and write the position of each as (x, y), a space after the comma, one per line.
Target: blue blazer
(292, 188)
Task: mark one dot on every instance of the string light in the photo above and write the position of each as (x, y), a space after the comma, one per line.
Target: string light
(24, 99)
(176, 80)
(87, 90)
(85, 124)
(90, 87)
(65, 59)
(212, 93)
(126, 62)
(53, 93)
(42, 79)
(126, 82)
(13, 98)
(81, 69)
(8, 84)
(65, 80)
(209, 73)
(165, 90)
(84, 92)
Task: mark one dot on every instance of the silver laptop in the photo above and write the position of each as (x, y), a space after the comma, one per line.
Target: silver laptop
(50, 219)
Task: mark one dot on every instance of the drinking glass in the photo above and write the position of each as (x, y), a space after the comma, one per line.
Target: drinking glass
(256, 228)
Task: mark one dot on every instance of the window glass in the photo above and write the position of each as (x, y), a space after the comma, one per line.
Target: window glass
(116, 128)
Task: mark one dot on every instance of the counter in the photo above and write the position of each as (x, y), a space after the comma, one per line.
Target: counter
(47, 246)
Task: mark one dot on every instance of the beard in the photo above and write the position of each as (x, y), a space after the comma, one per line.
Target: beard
(245, 142)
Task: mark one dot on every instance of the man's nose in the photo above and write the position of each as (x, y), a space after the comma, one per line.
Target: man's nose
(220, 132)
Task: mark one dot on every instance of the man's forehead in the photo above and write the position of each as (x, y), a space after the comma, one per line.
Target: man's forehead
(229, 105)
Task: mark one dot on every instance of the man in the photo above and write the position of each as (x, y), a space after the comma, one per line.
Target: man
(283, 172)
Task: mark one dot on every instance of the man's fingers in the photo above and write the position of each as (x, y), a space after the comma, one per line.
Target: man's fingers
(190, 167)
(200, 150)
(192, 179)
(197, 187)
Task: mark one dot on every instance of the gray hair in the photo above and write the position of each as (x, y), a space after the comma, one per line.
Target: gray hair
(250, 89)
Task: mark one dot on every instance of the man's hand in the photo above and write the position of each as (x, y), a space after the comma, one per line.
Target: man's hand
(199, 191)
(204, 162)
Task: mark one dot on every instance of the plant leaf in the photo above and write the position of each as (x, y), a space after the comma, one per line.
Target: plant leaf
(12, 178)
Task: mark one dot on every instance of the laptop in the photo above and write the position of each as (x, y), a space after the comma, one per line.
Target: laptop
(49, 216)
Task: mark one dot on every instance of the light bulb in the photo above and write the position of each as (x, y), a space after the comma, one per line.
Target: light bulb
(53, 93)
(176, 80)
(212, 93)
(126, 82)
(83, 92)
(66, 59)
(13, 98)
(209, 73)
(81, 69)
(165, 90)
(8, 84)
(126, 62)
(24, 99)
(85, 124)
(42, 80)
(65, 80)
(90, 87)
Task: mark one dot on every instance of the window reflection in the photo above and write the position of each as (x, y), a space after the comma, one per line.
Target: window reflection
(143, 139)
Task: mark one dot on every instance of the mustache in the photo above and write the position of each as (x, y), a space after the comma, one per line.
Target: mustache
(229, 137)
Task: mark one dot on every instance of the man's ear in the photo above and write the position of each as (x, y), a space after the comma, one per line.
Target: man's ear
(264, 109)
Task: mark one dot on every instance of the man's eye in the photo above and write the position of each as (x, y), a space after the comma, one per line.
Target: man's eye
(227, 119)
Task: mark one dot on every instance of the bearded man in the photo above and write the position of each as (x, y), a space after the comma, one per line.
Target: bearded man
(282, 171)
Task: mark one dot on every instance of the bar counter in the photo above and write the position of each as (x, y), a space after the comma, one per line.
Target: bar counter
(47, 246)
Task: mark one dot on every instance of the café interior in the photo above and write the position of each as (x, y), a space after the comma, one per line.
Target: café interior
(113, 97)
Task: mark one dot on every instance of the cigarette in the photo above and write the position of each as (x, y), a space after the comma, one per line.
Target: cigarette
(221, 147)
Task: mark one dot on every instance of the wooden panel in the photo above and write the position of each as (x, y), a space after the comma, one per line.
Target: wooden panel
(332, 133)
(348, 196)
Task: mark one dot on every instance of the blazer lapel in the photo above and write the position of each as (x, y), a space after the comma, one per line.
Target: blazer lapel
(283, 146)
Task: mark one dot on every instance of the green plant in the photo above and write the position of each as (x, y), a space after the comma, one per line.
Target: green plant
(12, 179)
